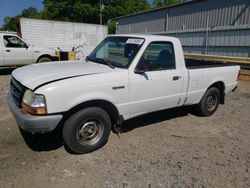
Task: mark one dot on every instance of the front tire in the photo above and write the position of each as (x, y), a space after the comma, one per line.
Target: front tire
(209, 102)
(44, 60)
(87, 130)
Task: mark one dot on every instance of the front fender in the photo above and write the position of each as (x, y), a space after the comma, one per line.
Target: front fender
(92, 96)
(39, 52)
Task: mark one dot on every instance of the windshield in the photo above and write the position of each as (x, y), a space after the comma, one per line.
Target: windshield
(116, 51)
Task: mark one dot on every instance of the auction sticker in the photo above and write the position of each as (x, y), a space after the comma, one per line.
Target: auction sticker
(134, 41)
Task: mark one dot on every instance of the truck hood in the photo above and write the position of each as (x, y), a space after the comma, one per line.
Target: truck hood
(35, 75)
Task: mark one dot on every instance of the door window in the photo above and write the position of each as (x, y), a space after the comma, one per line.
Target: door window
(157, 56)
(13, 42)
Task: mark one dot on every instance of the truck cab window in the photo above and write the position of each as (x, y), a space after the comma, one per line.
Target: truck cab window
(158, 56)
(13, 42)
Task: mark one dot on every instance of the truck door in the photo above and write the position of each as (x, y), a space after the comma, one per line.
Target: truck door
(156, 83)
(16, 52)
(1, 53)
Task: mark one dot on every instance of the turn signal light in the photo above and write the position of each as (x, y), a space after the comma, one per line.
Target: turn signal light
(34, 111)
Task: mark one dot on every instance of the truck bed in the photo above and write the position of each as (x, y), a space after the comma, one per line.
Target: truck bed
(199, 64)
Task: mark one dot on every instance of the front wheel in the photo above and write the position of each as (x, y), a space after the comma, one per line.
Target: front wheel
(87, 130)
(44, 60)
(209, 102)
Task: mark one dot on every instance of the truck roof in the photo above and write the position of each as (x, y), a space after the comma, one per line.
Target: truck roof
(146, 36)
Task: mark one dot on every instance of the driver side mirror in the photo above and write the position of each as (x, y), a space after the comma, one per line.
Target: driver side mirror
(26, 45)
(139, 71)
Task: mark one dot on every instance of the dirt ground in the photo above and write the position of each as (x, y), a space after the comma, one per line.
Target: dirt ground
(172, 148)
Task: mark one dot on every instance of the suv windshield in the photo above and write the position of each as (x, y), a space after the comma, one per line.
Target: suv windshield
(116, 51)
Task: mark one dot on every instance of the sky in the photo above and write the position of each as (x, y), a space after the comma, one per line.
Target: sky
(15, 7)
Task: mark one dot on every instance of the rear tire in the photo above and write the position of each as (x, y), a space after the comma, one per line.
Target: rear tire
(87, 130)
(44, 60)
(209, 102)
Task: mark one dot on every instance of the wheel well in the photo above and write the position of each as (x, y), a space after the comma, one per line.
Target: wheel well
(105, 105)
(221, 87)
(45, 55)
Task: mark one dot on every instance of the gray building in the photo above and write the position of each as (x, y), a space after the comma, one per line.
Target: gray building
(219, 27)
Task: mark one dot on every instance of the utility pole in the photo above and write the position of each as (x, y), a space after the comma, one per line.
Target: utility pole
(101, 9)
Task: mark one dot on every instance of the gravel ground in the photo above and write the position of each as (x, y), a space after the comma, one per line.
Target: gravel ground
(172, 148)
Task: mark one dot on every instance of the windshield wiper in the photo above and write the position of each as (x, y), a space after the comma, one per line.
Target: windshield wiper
(100, 60)
(107, 62)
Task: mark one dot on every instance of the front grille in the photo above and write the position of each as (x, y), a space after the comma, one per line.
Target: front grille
(17, 90)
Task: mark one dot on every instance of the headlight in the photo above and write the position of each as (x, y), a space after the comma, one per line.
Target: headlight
(34, 103)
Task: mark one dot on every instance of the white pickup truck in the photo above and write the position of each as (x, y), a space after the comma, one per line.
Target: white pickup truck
(15, 52)
(125, 76)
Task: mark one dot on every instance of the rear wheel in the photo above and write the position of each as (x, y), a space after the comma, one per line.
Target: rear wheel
(87, 130)
(209, 102)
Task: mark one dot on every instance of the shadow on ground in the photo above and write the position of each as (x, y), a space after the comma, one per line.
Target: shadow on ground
(156, 117)
(43, 142)
(6, 71)
(54, 140)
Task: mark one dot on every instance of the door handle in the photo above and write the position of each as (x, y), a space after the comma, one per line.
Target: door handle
(118, 87)
(176, 78)
(7, 50)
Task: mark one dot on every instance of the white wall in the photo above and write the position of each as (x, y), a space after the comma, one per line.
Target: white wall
(66, 35)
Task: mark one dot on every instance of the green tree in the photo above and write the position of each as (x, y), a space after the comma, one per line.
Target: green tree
(30, 12)
(161, 3)
(10, 22)
(112, 27)
(87, 11)
(71, 10)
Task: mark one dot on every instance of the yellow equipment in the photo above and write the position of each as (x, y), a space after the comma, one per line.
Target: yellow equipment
(64, 56)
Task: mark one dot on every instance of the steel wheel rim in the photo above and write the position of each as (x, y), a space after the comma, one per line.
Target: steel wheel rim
(89, 132)
(211, 102)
